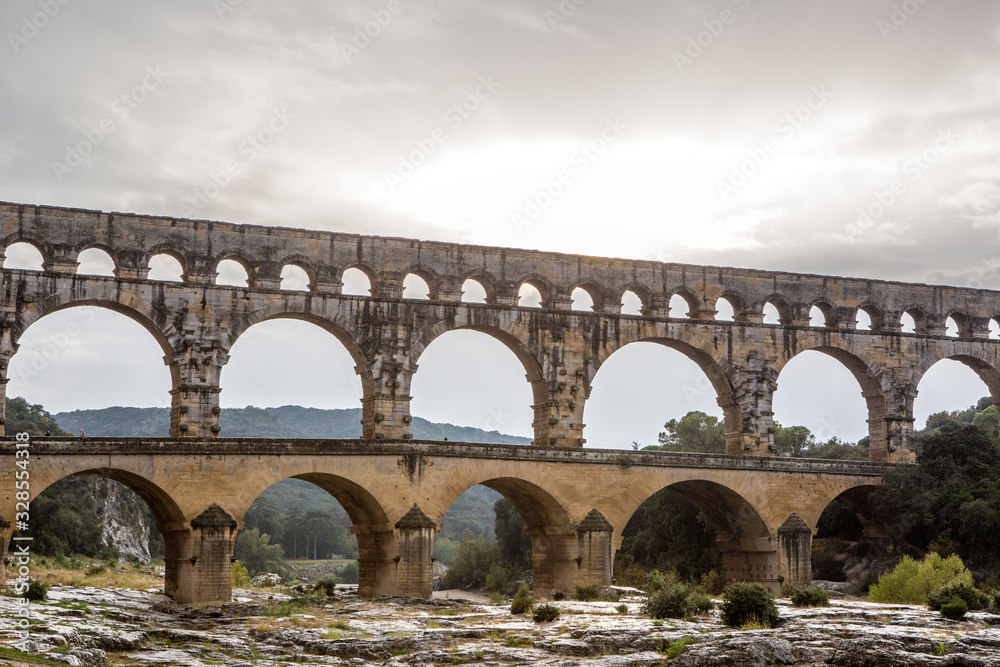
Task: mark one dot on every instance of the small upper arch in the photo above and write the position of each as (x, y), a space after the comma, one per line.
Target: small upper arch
(595, 294)
(540, 285)
(97, 259)
(779, 310)
(24, 254)
(429, 278)
(825, 311)
(913, 319)
(869, 317)
(963, 326)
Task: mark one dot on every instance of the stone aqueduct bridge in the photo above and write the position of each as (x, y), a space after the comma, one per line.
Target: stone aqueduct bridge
(198, 485)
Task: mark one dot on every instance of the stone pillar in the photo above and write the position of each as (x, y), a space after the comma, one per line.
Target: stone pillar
(506, 293)
(559, 420)
(265, 275)
(890, 423)
(594, 544)
(200, 270)
(553, 561)
(389, 285)
(415, 541)
(6, 352)
(750, 560)
(659, 306)
(328, 280)
(385, 413)
(795, 551)
(131, 266)
(194, 404)
(60, 259)
(557, 301)
(753, 391)
(447, 288)
(199, 561)
(376, 568)
(6, 532)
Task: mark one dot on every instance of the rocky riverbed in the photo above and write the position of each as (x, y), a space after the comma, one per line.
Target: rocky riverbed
(97, 627)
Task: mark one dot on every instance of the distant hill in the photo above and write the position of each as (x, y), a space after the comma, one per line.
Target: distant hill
(288, 421)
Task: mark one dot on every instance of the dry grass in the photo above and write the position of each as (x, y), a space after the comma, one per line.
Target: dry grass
(109, 577)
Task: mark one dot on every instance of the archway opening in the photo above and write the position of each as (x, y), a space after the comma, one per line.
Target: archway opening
(529, 296)
(230, 272)
(849, 542)
(701, 529)
(95, 262)
(816, 317)
(415, 287)
(24, 256)
(299, 527)
(473, 292)
(864, 320)
(294, 278)
(165, 267)
(631, 303)
(679, 307)
(643, 387)
(724, 311)
(469, 378)
(994, 329)
(950, 389)
(290, 378)
(356, 283)
(907, 323)
(771, 314)
(89, 359)
(819, 411)
(582, 300)
(951, 328)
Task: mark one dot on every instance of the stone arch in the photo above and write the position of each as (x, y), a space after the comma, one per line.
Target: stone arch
(828, 310)
(641, 292)
(920, 320)
(738, 303)
(22, 238)
(857, 499)
(101, 295)
(486, 281)
(874, 313)
(547, 522)
(962, 322)
(371, 518)
(302, 262)
(512, 336)
(168, 250)
(742, 536)
(430, 277)
(368, 272)
(334, 326)
(688, 296)
(715, 367)
(596, 294)
(544, 287)
(782, 305)
(248, 265)
(105, 248)
(973, 355)
(165, 509)
(870, 377)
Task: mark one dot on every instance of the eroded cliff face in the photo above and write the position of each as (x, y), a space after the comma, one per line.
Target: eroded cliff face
(124, 526)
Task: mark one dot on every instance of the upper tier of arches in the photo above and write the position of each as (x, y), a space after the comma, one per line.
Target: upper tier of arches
(277, 258)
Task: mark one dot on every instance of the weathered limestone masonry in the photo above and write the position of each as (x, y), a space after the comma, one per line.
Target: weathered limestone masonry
(575, 502)
(197, 322)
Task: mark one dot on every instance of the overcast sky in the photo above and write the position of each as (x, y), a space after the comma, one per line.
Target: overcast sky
(732, 132)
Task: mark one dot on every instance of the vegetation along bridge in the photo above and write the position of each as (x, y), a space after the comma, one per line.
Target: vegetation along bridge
(575, 501)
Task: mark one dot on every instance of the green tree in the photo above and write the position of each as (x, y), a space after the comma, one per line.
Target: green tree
(265, 516)
(512, 537)
(793, 441)
(255, 551)
(34, 419)
(472, 563)
(694, 432)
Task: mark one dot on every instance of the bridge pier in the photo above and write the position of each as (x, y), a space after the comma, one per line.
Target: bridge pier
(414, 563)
(553, 563)
(750, 560)
(795, 551)
(199, 563)
(376, 564)
(596, 560)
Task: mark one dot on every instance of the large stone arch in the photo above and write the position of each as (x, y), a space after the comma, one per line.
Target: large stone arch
(512, 334)
(371, 517)
(975, 355)
(743, 537)
(299, 306)
(696, 348)
(883, 401)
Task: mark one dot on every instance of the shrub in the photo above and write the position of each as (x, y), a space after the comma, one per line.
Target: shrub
(37, 590)
(954, 609)
(668, 602)
(912, 582)
(499, 578)
(559, 595)
(749, 603)
(622, 608)
(587, 593)
(699, 604)
(655, 580)
(497, 598)
(973, 598)
(327, 584)
(995, 602)
(809, 597)
(713, 582)
(545, 613)
(675, 648)
(349, 573)
(522, 600)
(241, 578)
(472, 563)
